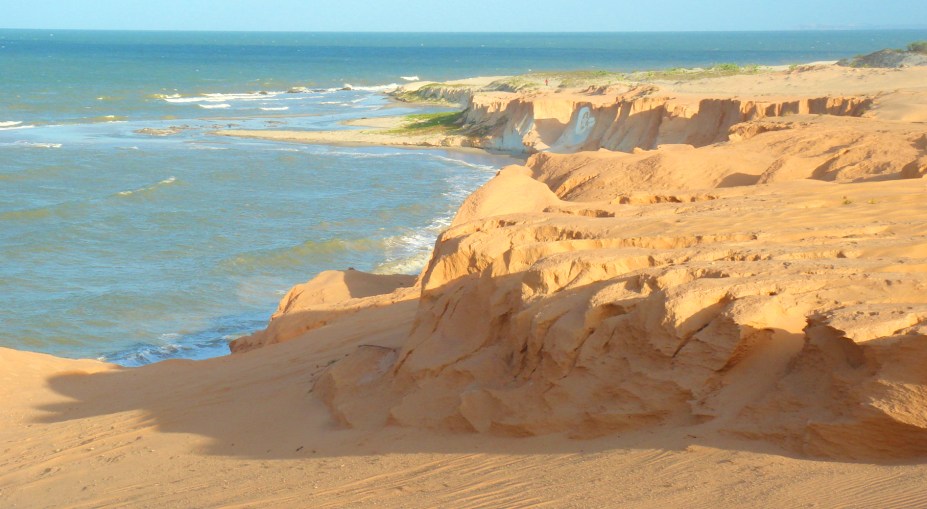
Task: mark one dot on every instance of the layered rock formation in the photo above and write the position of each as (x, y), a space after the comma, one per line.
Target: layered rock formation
(640, 117)
(697, 308)
(722, 309)
(763, 277)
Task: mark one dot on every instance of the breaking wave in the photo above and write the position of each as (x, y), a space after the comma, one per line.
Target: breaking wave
(165, 182)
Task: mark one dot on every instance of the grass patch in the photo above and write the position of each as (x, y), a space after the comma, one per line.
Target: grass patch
(600, 78)
(430, 93)
(422, 123)
(918, 47)
(515, 84)
(683, 74)
(589, 78)
(537, 81)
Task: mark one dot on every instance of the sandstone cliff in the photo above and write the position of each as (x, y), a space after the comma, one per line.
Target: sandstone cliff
(703, 318)
(747, 267)
(637, 118)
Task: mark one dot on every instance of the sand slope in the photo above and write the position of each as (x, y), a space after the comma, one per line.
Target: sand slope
(737, 323)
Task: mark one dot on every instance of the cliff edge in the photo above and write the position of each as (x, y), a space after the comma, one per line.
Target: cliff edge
(705, 297)
(760, 274)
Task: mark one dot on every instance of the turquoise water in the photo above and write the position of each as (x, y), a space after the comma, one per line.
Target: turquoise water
(120, 245)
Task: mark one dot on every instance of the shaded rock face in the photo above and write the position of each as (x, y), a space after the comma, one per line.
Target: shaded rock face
(636, 119)
(329, 296)
(715, 313)
(772, 285)
(759, 152)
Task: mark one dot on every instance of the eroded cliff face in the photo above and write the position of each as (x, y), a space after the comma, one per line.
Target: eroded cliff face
(732, 270)
(641, 117)
(728, 313)
(758, 152)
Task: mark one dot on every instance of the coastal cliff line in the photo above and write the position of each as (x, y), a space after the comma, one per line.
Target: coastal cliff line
(638, 118)
(699, 288)
(730, 255)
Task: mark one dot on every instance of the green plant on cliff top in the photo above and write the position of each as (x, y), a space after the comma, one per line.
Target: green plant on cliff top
(421, 123)
(685, 74)
(589, 78)
(514, 84)
(918, 47)
(428, 94)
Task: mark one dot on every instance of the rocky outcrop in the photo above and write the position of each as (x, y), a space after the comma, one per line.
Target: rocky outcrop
(571, 296)
(755, 268)
(329, 296)
(639, 118)
(716, 313)
(759, 152)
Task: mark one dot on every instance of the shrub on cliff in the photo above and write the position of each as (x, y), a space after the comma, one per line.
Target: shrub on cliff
(918, 47)
(427, 122)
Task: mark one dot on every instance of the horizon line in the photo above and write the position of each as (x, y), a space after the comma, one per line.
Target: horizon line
(566, 32)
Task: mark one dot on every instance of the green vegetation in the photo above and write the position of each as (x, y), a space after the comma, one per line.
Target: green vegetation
(516, 83)
(600, 78)
(912, 55)
(430, 93)
(682, 74)
(421, 123)
(538, 81)
(588, 78)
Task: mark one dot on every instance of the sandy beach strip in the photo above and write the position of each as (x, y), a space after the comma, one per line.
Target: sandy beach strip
(705, 294)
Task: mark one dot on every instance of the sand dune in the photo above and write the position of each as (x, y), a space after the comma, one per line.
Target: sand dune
(740, 320)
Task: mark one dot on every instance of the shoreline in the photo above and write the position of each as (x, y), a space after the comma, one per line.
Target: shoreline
(492, 120)
(705, 287)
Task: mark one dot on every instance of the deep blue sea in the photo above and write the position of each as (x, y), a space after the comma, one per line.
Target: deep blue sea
(119, 245)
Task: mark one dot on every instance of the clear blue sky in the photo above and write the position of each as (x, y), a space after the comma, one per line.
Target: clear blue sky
(462, 15)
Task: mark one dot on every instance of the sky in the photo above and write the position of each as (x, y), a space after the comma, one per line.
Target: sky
(463, 15)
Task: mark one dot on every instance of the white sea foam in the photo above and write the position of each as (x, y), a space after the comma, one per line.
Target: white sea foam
(165, 182)
(367, 155)
(111, 119)
(410, 252)
(483, 167)
(410, 265)
(16, 127)
(333, 102)
(198, 146)
(374, 88)
(215, 106)
(410, 78)
(281, 108)
(221, 98)
(10, 123)
(182, 100)
(36, 145)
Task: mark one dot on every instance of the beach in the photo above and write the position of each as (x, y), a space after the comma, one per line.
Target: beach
(699, 292)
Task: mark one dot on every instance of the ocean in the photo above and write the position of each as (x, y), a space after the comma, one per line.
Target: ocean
(132, 248)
